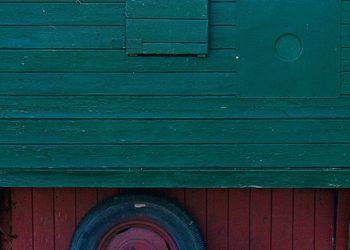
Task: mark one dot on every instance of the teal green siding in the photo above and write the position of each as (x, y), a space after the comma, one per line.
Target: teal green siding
(76, 110)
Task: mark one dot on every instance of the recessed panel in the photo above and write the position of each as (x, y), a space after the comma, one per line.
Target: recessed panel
(288, 48)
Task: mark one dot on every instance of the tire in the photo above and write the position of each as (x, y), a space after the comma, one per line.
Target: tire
(121, 220)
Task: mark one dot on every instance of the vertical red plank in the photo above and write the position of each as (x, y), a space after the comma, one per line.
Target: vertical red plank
(22, 218)
(260, 219)
(196, 206)
(343, 212)
(43, 219)
(239, 204)
(217, 219)
(104, 193)
(64, 200)
(282, 219)
(86, 198)
(5, 219)
(177, 194)
(304, 214)
(324, 219)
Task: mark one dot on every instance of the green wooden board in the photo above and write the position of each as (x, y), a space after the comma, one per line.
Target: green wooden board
(77, 110)
(293, 47)
(181, 27)
(185, 131)
(171, 107)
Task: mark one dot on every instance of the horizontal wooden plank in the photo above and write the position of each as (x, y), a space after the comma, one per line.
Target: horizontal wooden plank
(55, 61)
(173, 131)
(64, 13)
(62, 37)
(168, 30)
(171, 107)
(143, 156)
(183, 9)
(169, 48)
(345, 83)
(345, 5)
(103, 13)
(90, 37)
(233, 178)
(118, 84)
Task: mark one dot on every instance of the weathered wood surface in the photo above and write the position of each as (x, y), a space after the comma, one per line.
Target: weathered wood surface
(72, 100)
(229, 219)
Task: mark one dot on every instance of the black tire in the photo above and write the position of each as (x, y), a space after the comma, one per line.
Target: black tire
(121, 209)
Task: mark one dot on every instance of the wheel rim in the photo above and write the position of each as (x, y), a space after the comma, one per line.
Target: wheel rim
(137, 235)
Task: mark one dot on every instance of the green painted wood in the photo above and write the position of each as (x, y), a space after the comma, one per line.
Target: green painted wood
(182, 27)
(289, 57)
(62, 37)
(64, 13)
(76, 110)
(111, 61)
(223, 13)
(118, 84)
(201, 156)
(345, 83)
(92, 131)
(170, 107)
(90, 37)
(168, 30)
(71, 13)
(181, 9)
(233, 178)
(345, 5)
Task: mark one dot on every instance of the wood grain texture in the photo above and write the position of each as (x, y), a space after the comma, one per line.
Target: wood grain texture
(217, 217)
(282, 219)
(109, 131)
(304, 219)
(175, 178)
(70, 91)
(196, 206)
(22, 218)
(43, 219)
(239, 219)
(343, 217)
(324, 219)
(260, 219)
(171, 107)
(169, 156)
(85, 198)
(65, 216)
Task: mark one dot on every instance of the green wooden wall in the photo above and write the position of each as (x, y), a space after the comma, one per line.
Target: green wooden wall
(76, 110)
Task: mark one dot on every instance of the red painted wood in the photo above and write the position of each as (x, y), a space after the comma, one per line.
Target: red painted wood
(64, 200)
(217, 217)
(196, 206)
(343, 212)
(43, 219)
(282, 219)
(86, 198)
(5, 219)
(324, 219)
(104, 193)
(238, 221)
(22, 218)
(177, 194)
(304, 223)
(229, 218)
(260, 219)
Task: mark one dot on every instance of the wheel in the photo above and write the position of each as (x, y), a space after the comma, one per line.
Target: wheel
(137, 222)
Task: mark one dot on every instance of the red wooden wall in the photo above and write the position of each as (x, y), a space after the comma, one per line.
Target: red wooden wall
(254, 219)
